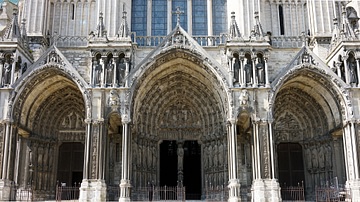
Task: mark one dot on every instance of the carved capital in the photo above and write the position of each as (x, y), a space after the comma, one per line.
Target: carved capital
(99, 121)
(88, 121)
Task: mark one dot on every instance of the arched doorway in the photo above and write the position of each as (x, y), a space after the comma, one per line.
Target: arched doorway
(50, 110)
(307, 115)
(180, 100)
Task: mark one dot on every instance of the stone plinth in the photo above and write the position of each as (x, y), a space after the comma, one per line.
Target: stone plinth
(92, 190)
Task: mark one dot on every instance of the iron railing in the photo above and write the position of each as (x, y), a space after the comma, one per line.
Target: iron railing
(293, 193)
(64, 192)
(216, 193)
(156, 193)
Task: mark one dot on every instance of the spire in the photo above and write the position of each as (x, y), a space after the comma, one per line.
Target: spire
(23, 33)
(13, 30)
(124, 28)
(234, 31)
(100, 29)
(349, 19)
(258, 27)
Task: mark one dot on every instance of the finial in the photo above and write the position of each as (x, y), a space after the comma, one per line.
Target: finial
(178, 12)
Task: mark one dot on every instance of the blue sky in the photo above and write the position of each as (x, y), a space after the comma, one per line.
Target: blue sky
(13, 1)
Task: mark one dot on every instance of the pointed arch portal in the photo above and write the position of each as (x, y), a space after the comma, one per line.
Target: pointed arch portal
(308, 118)
(177, 107)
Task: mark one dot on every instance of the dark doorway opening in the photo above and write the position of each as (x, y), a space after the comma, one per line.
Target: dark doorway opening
(70, 164)
(191, 167)
(291, 165)
(192, 170)
(168, 163)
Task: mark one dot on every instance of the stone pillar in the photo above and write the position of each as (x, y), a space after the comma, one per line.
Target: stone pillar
(127, 70)
(267, 84)
(241, 72)
(234, 182)
(13, 64)
(254, 80)
(231, 71)
(125, 174)
(351, 160)
(5, 183)
(115, 72)
(346, 70)
(1, 69)
(358, 71)
(272, 187)
(93, 186)
(338, 70)
(102, 63)
(258, 186)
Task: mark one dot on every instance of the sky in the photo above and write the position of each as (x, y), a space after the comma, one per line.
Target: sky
(13, 1)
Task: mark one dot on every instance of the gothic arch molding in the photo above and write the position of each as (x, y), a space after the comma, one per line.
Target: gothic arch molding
(322, 85)
(62, 91)
(180, 77)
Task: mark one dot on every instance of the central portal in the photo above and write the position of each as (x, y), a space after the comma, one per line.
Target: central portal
(180, 165)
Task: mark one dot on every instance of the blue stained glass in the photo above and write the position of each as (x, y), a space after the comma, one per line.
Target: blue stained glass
(138, 19)
(219, 16)
(182, 4)
(159, 18)
(199, 20)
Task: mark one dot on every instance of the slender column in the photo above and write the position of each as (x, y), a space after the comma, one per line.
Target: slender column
(346, 70)
(6, 150)
(270, 123)
(115, 64)
(189, 16)
(337, 64)
(354, 149)
(254, 150)
(228, 126)
(88, 122)
(12, 70)
(169, 16)
(125, 178)
(254, 80)
(234, 184)
(209, 17)
(358, 71)
(241, 71)
(149, 17)
(127, 70)
(10, 154)
(231, 71)
(257, 148)
(1, 70)
(267, 84)
(102, 63)
(100, 149)
(92, 73)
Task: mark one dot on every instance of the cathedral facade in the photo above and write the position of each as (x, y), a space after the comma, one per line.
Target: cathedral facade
(230, 100)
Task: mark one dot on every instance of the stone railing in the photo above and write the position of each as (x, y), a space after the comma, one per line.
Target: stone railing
(152, 41)
(287, 42)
